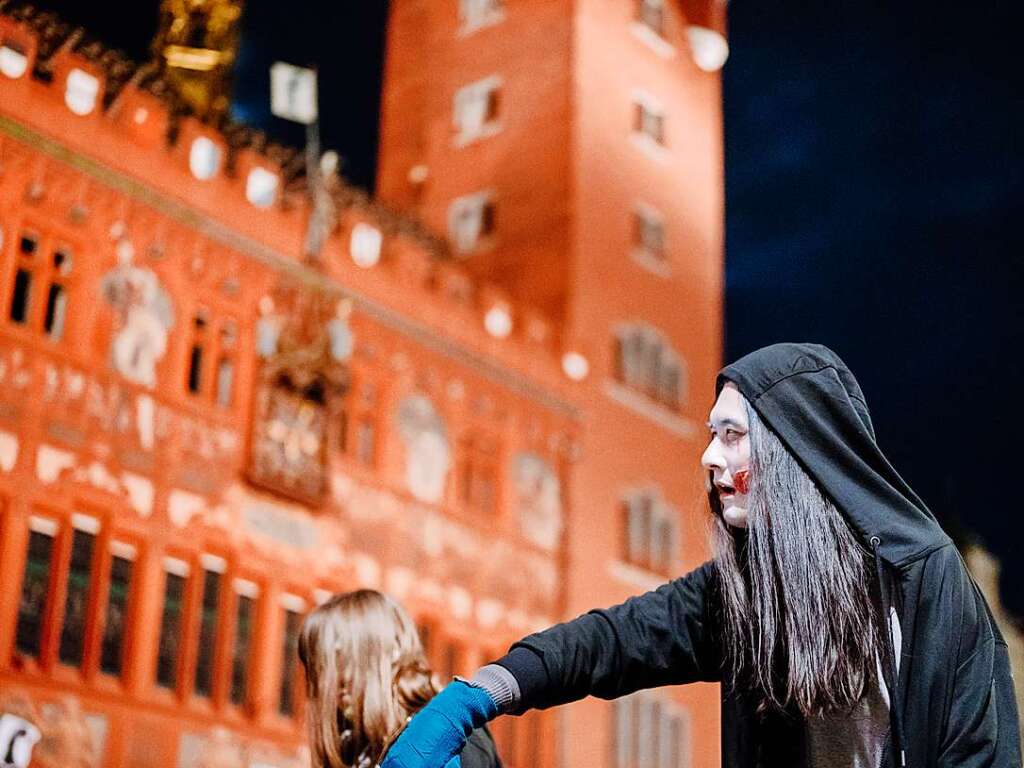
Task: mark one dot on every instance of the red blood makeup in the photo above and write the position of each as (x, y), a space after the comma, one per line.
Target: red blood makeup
(741, 481)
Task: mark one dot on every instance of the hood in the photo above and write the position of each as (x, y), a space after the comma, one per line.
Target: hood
(809, 398)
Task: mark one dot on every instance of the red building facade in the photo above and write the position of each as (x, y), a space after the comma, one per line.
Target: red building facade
(482, 395)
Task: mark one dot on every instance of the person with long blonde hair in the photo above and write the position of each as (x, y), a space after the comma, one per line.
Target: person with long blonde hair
(366, 675)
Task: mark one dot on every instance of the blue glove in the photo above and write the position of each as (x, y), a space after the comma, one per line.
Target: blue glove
(438, 732)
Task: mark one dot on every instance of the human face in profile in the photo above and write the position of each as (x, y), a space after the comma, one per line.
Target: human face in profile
(727, 457)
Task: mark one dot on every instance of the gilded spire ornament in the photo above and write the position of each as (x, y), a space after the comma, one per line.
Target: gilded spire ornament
(195, 47)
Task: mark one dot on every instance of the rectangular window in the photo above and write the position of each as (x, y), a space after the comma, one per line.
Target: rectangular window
(56, 310)
(117, 611)
(207, 633)
(366, 442)
(470, 219)
(651, 13)
(225, 381)
(245, 612)
(76, 604)
(476, 109)
(35, 587)
(171, 626)
(475, 14)
(649, 121)
(289, 658)
(195, 368)
(20, 296)
(649, 234)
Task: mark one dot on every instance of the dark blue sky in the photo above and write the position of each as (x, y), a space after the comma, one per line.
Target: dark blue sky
(875, 201)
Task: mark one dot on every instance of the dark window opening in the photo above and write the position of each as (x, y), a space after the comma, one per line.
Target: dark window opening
(286, 695)
(56, 311)
(62, 261)
(195, 368)
(28, 245)
(34, 589)
(240, 664)
(76, 605)
(117, 610)
(21, 295)
(487, 219)
(170, 631)
(207, 634)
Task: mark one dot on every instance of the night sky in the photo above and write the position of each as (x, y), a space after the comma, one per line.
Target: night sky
(875, 201)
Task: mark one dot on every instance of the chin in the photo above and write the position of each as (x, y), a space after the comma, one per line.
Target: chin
(735, 516)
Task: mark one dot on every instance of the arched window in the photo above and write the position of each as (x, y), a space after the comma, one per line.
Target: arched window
(645, 361)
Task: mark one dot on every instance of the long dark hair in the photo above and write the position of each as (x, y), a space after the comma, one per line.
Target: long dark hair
(799, 618)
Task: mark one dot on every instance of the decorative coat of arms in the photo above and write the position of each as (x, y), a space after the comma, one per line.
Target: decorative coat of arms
(428, 456)
(539, 500)
(144, 316)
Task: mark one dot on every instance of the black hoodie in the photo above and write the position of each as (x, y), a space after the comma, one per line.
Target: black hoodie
(954, 703)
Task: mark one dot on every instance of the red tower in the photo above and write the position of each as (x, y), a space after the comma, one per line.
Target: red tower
(571, 151)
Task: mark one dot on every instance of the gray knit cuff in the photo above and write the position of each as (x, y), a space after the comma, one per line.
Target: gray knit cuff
(500, 684)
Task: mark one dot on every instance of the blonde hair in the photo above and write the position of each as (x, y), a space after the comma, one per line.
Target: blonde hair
(365, 674)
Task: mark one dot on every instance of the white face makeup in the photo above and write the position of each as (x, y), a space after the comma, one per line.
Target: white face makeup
(728, 453)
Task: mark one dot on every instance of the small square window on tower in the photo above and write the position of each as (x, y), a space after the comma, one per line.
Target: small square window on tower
(648, 233)
(474, 14)
(651, 13)
(471, 219)
(648, 120)
(477, 110)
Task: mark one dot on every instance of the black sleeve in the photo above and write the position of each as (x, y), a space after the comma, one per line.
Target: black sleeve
(982, 725)
(664, 637)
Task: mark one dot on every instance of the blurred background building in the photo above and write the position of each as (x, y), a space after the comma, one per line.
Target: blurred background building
(231, 384)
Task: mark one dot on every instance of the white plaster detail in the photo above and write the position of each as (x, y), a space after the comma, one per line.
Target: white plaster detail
(182, 506)
(213, 563)
(43, 525)
(123, 550)
(365, 245)
(293, 603)
(430, 591)
(321, 596)
(247, 588)
(51, 462)
(433, 535)
(140, 492)
(399, 582)
(80, 91)
(9, 446)
(489, 612)
(12, 63)
(367, 569)
(97, 475)
(176, 567)
(261, 187)
(710, 48)
(145, 420)
(460, 603)
(85, 523)
(498, 321)
(203, 158)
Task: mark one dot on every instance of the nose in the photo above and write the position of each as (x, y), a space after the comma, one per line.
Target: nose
(712, 458)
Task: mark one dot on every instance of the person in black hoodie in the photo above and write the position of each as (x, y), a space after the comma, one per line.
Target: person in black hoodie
(836, 613)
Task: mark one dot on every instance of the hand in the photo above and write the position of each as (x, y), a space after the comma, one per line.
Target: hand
(438, 732)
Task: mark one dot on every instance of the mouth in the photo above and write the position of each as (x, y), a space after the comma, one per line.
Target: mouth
(725, 490)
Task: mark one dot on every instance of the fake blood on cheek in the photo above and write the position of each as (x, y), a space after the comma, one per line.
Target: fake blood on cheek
(741, 481)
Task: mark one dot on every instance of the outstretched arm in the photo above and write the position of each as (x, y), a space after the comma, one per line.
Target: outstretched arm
(660, 638)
